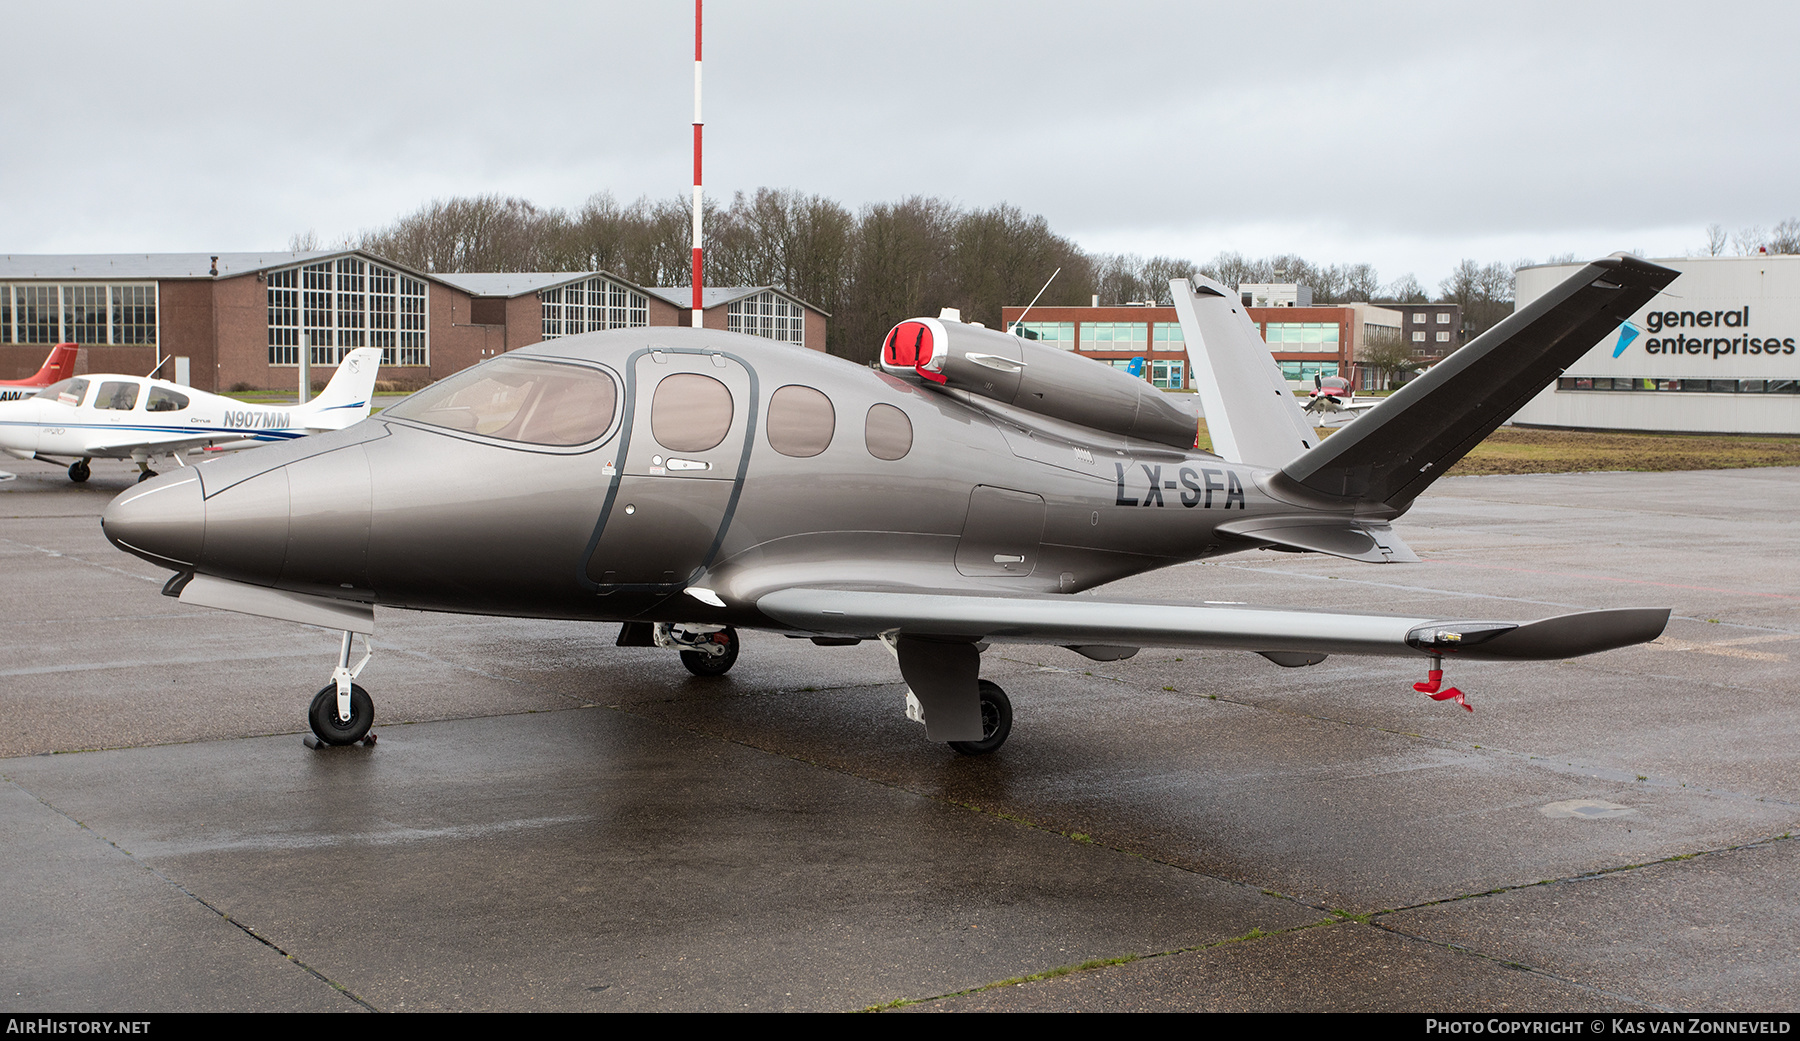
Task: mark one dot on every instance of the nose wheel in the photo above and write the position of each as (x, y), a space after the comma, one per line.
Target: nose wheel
(716, 653)
(342, 712)
(322, 716)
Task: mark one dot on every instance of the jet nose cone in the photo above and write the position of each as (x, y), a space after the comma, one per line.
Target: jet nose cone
(162, 520)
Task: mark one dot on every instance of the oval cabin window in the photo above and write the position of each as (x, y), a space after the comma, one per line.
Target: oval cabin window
(801, 421)
(888, 432)
(690, 412)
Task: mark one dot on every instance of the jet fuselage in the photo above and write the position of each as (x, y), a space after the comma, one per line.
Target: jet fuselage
(684, 460)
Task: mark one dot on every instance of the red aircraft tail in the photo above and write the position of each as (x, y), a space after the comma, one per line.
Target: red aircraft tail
(60, 365)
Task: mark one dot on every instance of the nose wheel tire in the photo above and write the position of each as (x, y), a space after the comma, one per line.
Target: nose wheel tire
(323, 715)
(79, 471)
(996, 721)
(702, 663)
(146, 475)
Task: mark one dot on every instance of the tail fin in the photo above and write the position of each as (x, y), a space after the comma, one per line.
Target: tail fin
(59, 365)
(345, 400)
(1391, 454)
(1250, 412)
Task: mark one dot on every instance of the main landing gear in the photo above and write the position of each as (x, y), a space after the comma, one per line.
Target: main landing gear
(79, 471)
(996, 721)
(341, 712)
(939, 676)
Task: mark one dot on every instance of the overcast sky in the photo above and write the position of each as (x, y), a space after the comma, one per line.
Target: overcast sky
(1405, 135)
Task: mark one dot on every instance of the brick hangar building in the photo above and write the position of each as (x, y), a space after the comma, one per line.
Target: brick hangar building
(240, 320)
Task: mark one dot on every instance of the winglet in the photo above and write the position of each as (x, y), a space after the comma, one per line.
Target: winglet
(347, 397)
(1250, 412)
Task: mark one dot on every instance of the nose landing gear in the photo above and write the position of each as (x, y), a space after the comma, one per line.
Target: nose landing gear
(342, 712)
(714, 648)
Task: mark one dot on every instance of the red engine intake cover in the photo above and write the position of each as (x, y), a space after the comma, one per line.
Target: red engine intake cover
(908, 346)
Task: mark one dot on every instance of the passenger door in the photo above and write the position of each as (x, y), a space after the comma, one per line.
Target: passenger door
(688, 435)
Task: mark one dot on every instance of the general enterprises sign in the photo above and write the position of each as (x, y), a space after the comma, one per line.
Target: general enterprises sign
(1714, 353)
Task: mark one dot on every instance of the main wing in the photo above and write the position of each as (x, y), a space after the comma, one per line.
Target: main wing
(1084, 621)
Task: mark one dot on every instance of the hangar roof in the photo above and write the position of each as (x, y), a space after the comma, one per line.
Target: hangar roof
(100, 266)
(683, 296)
(518, 283)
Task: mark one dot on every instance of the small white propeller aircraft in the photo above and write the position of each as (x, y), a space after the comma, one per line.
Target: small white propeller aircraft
(111, 416)
(1335, 394)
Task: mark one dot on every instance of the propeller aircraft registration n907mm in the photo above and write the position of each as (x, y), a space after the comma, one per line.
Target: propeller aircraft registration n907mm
(689, 482)
(139, 418)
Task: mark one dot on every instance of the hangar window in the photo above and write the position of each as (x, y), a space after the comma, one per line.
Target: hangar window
(84, 313)
(515, 399)
(801, 421)
(690, 412)
(887, 432)
(593, 305)
(88, 313)
(340, 305)
(1166, 336)
(769, 315)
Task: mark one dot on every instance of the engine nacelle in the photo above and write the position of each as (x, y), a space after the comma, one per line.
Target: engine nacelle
(1051, 382)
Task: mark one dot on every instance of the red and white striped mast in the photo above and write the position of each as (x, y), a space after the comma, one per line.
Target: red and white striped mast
(699, 260)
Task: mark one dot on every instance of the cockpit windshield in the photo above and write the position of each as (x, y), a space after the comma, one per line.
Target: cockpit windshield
(516, 399)
(69, 392)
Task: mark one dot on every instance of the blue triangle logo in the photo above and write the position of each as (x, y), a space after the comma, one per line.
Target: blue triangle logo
(1627, 333)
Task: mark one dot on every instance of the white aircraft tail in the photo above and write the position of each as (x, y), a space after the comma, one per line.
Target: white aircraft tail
(346, 399)
(1251, 414)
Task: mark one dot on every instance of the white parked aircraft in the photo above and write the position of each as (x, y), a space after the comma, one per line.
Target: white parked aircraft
(138, 418)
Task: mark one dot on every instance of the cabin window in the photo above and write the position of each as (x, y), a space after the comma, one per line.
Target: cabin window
(801, 422)
(690, 412)
(513, 399)
(162, 399)
(888, 432)
(117, 395)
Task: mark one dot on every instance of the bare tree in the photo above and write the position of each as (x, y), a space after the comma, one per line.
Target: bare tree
(1484, 292)
(1361, 283)
(1747, 240)
(1786, 237)
(1406, 290)
(1385, 350)
(1715, 240)
(304, 242)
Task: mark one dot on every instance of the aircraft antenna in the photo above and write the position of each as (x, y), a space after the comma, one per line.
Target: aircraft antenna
(699, 263)
(1021, 319)
(152, 373)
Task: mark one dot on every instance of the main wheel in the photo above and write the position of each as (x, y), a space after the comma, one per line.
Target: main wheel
(146, 475)
(996, 721)
(323, 715)
(79, 471)
(700, 663)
